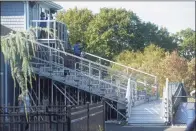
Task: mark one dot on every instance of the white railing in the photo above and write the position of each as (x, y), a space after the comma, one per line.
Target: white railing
(58, 30)
(53, 31)
(51, 64)
(165, 103)
(125, 69)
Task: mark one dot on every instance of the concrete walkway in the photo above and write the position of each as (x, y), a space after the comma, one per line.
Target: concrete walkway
(147, 113)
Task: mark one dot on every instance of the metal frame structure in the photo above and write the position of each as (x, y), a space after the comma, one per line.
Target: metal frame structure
(58, 71)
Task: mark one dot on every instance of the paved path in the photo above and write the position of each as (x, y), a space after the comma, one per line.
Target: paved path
(115, 127)
(147, 113)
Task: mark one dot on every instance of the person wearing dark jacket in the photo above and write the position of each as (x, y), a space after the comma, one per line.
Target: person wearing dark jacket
(43, 25)
(77, 51)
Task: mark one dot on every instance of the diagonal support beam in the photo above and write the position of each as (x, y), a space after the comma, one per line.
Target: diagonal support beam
(116, 110)
(63, 93)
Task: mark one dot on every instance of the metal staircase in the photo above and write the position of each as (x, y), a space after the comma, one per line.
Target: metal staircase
(90, 76)
(90, 73)
(82, 73)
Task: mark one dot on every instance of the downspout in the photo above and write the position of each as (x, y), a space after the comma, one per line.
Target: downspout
(25, 18)
(26, 15)
(6, 95)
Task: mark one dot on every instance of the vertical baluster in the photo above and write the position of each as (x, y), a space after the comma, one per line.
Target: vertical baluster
(36, 30)
(54, 29)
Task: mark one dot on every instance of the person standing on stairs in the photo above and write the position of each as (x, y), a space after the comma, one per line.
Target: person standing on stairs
(77, 51)
(42, 25)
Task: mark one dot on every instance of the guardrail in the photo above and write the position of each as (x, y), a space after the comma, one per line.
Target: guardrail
(126, 69)
(58, 30)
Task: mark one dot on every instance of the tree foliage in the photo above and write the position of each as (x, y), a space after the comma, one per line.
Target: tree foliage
(190, 78)
(158, 36)
(77, 21)
(111, 31)
(18, 51)
(186, 41)
(157, 61)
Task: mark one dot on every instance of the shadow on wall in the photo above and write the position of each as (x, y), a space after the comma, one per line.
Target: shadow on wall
(5, 30)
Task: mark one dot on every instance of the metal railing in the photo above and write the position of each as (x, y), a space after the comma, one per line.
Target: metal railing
(57, 29)
(51, 64)
(140, 75)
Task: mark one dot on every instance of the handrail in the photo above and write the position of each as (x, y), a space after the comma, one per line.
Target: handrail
(74, 56)
(127, 67)
(80, 73)
(121, 74)
(47, 21)
(116, 100)
(100, 58)
(60, 34)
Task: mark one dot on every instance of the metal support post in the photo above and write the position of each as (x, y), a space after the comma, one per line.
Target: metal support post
(91, 98)
(38, 90)
(52, 93)
(78, 96)
(172, 100)
(69, 118)
(88, 116)
(103, 102)
(65, 100)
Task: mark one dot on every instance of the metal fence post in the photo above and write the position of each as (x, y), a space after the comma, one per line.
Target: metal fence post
(103, 102)
(69, 118)
(88, 116)
(172, 102)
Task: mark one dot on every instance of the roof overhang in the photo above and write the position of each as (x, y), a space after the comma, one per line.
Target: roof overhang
(51, 5)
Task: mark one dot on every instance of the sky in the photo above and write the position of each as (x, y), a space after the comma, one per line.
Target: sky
(175, 16)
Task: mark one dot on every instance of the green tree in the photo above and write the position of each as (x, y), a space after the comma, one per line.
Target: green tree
(18, 49)
(77, 21)
(190, 78)
(155, 60)
(173, 67)
(160, 37)
(186, 41)
(112, 31)
(147, 60)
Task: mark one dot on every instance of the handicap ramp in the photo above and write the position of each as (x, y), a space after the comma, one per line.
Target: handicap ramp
(147, 113)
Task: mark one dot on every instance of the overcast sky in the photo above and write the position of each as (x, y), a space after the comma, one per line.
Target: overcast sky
(172, 15)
